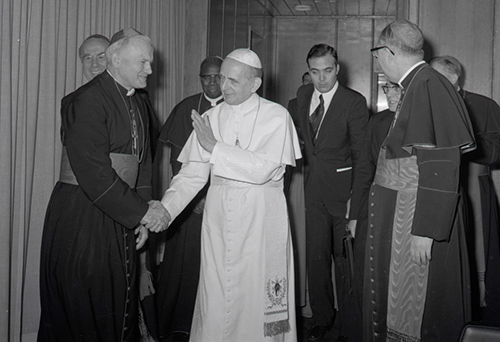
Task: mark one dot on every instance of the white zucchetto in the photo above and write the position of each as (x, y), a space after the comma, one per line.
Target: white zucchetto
(246, 56)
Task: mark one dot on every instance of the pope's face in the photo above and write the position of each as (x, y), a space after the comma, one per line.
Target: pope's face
(135, 64)
(323, 71)
(237, 82)
(93, 57)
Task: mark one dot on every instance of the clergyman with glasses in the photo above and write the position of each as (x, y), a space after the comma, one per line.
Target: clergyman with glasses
(180, 268)
(378, 128)
(416, 285)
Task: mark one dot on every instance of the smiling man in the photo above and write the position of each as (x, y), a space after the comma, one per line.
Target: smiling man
(378, 128)
(333, 121)
(246, 288)
(88, 272)
(92, 53)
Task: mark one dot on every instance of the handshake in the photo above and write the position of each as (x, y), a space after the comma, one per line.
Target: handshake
(157, 217)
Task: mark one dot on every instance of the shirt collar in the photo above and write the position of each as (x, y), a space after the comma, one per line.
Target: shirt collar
(327, 98)
(213, 102)
(408, 72)
(129, 92)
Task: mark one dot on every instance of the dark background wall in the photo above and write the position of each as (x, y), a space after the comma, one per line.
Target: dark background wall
(463, 28)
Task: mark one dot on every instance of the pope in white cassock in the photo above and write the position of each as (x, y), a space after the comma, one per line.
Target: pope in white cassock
(246, 289)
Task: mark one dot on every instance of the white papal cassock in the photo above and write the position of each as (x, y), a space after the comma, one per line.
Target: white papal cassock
(246, 289)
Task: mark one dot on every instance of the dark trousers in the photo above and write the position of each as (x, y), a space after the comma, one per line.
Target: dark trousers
(324, 233)
(179, 274)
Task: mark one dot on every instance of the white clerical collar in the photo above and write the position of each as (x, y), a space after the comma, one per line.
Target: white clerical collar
(408, 72)
(213, 102)
(327, 97)
(129, 92)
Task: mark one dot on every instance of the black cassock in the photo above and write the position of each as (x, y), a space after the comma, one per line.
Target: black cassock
(485, 117)
(88, 272)
(429, 135)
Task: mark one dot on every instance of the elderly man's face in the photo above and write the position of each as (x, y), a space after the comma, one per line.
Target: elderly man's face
(210, 80)
(135, 64)
(384, 57)
(237, 82)
(93, 57)
(323, 71)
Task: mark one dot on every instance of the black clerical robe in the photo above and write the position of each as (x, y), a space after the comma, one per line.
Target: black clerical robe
(416, 190)
(483, 206)
(378, 128)
(88, 272)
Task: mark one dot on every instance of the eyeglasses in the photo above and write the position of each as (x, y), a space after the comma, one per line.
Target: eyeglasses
(209, 78)
(381, 47)
(387, 87)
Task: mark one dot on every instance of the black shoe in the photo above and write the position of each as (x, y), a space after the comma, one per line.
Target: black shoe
(317, 333)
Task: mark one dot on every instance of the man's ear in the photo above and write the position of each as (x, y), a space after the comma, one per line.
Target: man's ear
(257, 82)
(116, 60)
(338, 69)
(454, 79)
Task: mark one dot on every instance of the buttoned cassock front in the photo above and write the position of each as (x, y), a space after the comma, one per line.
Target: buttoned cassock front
(245, 201)
(88, 268)
(416, 192)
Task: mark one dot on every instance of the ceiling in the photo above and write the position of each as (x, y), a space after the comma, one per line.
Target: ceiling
(324, 8)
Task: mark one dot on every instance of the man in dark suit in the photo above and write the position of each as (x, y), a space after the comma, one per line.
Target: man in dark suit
(292, 104)
(333, 120)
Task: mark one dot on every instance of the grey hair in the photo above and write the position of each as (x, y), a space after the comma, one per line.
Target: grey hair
(405, 37)
(449, 63)
(120, 45)
(255, 72)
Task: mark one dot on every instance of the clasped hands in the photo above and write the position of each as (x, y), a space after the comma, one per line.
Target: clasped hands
(157, 217)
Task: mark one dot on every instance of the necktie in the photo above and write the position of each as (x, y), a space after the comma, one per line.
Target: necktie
(315, 117)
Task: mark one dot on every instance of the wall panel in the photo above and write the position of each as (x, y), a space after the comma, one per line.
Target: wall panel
(195, 44)
(465, 30)
(353, 38)
(231, 27)
(294, 39)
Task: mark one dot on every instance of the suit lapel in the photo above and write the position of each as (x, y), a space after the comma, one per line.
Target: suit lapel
(331, 114)
(304, 110)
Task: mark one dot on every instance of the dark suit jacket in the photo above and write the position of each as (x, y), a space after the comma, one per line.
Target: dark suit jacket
(337, 147)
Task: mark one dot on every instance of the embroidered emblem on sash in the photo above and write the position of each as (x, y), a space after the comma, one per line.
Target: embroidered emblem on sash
(276, 291)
